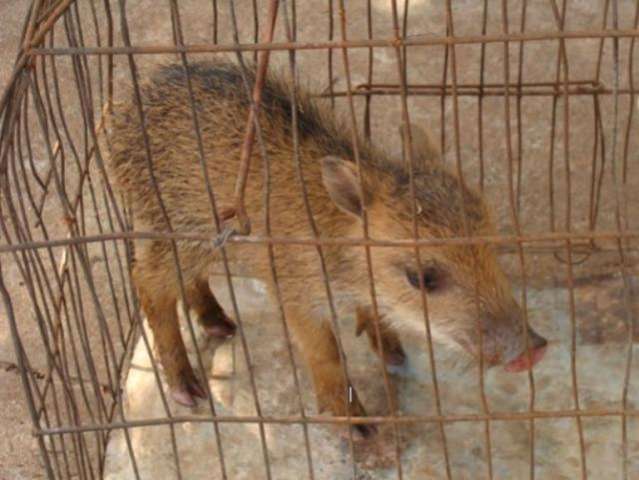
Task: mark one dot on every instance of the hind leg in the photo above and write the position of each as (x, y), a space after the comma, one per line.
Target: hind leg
(210, 314)
(157, 288)
(392, 347)
(162, 316)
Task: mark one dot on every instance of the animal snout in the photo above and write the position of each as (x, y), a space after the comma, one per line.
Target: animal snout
(528, 358)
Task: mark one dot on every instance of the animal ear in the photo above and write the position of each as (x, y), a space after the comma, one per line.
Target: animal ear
(425, 149)
(342, 184)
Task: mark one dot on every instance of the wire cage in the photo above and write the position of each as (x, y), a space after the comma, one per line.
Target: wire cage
(532, 103)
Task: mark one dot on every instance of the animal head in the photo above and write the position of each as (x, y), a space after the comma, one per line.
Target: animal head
(460, 287)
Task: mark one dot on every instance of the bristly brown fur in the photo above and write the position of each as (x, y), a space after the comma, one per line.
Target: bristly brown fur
(336, 201)
(315, 126)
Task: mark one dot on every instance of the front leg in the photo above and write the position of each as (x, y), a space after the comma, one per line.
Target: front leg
(319, 348)
(394, 354)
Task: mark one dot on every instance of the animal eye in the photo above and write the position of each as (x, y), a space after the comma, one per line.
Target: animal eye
(430, 276)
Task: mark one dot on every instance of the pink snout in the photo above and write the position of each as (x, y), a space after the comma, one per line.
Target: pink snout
(536, 351)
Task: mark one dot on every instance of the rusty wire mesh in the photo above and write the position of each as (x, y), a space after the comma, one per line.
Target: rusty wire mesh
(66, 233)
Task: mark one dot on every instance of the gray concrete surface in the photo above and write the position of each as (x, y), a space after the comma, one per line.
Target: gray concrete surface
(556, 447)
(600, 314)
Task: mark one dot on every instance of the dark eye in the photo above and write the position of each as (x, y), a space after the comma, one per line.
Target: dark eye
(430, 276)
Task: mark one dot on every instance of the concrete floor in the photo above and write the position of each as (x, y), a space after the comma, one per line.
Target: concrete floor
(556, 447)
(600, 315)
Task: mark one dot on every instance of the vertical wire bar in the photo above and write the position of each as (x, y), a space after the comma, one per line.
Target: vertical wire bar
(599, 140)
(98, 43)
(369, 73)
(631, 97)
(621, 219)
(560, 19)
(520, 74)
(424, 298)
(553, 129)
(442, 102)
(404, 35)
(331, 28)
(462, 202)
(214, 12)
(480, 120)
(256, 28)
(365, 230)
(291, 35)
(480, 98)
(110, 62)
(520, 250)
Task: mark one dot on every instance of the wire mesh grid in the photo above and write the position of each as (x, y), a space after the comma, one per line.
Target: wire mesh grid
(494, 79)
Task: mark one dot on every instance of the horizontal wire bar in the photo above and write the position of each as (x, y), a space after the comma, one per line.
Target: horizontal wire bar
(388, 43)
(322, 419)
(514, 90)
(346, 241)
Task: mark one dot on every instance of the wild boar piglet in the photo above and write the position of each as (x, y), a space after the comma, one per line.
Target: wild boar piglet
(452, 274)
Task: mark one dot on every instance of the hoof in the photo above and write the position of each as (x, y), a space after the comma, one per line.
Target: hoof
(220, 328)
(360, 432)
(188, 389)
(395, 358)
(363, 432)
